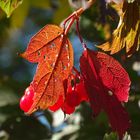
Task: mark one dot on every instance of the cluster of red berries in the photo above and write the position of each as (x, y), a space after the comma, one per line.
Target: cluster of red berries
(27, 99)
(76, 93)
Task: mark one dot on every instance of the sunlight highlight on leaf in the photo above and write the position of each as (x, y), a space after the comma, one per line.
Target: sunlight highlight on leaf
(127, 34)
(9, 6)
(54, 54)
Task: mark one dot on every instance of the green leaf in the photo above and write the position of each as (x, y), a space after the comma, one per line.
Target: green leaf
(8, 6)
(111, 136)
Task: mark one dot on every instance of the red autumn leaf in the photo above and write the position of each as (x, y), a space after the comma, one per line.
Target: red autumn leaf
(60, 100)
(104, 86)
(54, 54)
(111, 73)
(118, 117)
(113, 76)
(44, 44)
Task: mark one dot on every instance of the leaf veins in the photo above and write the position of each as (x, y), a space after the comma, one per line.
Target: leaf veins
(107, 84)
(54, 54)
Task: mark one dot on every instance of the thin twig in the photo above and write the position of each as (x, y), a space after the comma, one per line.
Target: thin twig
(79, 35)
(69, 26)
(76, 15)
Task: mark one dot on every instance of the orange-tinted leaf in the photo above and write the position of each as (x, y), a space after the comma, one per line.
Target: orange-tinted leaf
(44, 44)
(128, 31)
(54, 54)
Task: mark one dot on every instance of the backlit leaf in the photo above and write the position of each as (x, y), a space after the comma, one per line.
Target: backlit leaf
(43, 44)
(107, 84)
(9, 5)
(127, 33)
(54, 53)
(112, 74)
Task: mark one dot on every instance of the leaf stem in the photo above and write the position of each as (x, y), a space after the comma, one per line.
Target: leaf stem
(69, 26)
(75, 15)
(76, 71)
(79, 35)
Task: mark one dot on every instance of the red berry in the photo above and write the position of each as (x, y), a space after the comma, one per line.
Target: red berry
(71, 101)
(29, 91)
(27, 100)
(67, 108)
(58, 104)
(72, 97)
(81, 91)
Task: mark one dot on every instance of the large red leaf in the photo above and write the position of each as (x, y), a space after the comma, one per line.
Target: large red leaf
(97, 69)
(113, 76)
(54, 54)
(91, 81)
(111, 73)
(118, 117)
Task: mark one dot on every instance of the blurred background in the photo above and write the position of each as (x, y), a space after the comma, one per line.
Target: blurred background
(96, 26)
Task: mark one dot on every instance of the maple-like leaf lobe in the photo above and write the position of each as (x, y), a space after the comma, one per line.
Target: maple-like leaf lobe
(43, 43)
(111, 73)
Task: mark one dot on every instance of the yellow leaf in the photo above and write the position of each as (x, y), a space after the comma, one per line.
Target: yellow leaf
(127, 33)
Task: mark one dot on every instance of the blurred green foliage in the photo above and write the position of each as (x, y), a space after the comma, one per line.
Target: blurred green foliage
(9, 6)
(96, 25)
